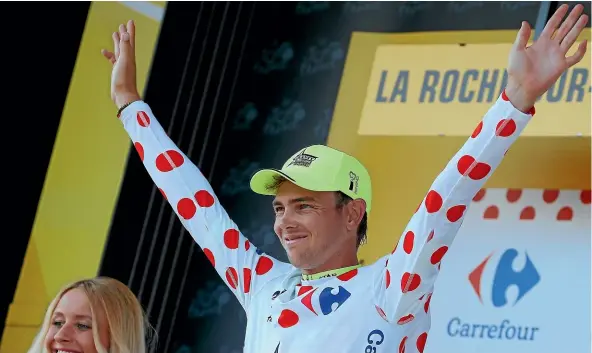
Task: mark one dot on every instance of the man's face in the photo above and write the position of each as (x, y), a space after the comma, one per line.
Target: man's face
(310, 226)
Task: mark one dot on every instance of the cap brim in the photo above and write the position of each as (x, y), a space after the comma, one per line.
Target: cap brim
(264, 181)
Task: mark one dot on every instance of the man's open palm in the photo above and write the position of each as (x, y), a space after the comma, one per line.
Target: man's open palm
(536, 68)
(123, 58)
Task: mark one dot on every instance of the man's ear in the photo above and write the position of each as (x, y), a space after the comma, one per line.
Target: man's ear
(355, 212)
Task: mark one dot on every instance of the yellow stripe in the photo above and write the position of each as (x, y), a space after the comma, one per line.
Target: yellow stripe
(83, 178)
(330, 273)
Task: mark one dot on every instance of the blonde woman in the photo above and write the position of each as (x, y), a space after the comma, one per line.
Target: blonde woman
(98, 315)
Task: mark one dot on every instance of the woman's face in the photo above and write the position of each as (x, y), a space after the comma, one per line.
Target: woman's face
(70, 328)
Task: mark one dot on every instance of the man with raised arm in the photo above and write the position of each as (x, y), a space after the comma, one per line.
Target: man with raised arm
(323, 301)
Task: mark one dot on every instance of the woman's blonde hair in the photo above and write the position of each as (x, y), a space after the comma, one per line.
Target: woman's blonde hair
(129, 329)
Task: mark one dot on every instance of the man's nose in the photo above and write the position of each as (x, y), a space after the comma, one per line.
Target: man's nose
(286, 220)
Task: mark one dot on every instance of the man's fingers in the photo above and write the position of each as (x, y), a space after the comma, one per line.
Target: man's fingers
(108, 55)
(569, 23)
(578, 55)
(522, 36)
(131, 29)
(573, 34)
(554, 21)
(127, 50)
(116, 40)
(122, 30)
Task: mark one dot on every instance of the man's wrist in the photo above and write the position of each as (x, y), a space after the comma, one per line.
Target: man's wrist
(519, 98)
(126, 99)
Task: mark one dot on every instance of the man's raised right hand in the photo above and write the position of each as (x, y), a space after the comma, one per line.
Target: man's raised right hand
(123, 58)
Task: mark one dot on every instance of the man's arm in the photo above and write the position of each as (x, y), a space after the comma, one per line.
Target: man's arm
(411, 270)
(404, 285)
(239, 263)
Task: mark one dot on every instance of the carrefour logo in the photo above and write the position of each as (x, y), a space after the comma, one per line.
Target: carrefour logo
(505, 277)
(493, 293)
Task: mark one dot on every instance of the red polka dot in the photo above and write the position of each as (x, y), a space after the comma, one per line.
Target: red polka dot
(387, 278)
(492, 212)
(430, 236)
(549, 196)
(505, 128)
(247, 245)
(186, 208)
(304, 289)
(410, 282)
(565, 214)
(421, 341)
(532, 111)
(246, 280)
(210, 256)
(287, 318)
(513, 195)
(505, 96)
(426, 306)
(386, 263)
(348, 275)
(479, 195)
(438, 255)
(433, 202)
(231, 238)
(264, 264)
(466, 166)
(585, 197)
(381, 312)
(402, 345)
(455, 213)
(405, 319)
(169, 160)
(204, 198)
(408, 242)
(232, 277)
(143, 119)
(163, 194)
(527, 213)
(477, 130)
(140, 150)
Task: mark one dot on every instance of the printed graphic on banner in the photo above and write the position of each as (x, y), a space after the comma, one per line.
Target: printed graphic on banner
(505, 276)
(442, 89)
(492, 280)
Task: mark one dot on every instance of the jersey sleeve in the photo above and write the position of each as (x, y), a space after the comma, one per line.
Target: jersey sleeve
(404, 282)
(241, 265)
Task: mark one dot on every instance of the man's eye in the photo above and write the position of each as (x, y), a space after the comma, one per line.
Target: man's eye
(303, 205)
(57, 323)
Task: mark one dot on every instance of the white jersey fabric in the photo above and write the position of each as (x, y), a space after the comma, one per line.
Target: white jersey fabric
(382, 307)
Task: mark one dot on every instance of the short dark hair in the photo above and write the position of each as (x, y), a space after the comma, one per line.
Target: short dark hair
(342, 200)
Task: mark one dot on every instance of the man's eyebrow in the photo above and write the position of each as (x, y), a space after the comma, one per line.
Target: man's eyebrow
(295, 200)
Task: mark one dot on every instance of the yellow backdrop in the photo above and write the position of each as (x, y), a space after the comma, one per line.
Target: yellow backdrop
(403, 167)
(84, 174)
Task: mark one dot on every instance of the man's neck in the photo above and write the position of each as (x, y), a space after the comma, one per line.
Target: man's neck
(329, 273)
(332, 266)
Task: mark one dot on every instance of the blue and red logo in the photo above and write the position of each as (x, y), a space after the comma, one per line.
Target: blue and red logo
(504, 277)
